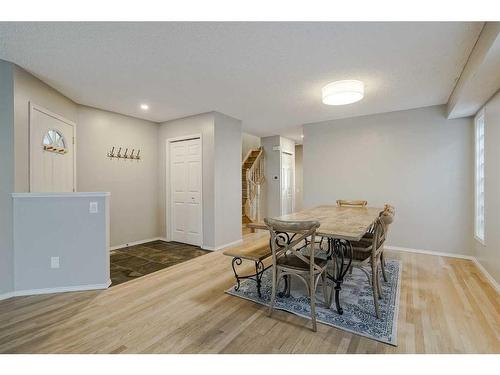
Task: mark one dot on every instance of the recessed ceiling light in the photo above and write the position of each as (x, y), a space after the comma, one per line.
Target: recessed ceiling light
(343, 92)
(144, 107)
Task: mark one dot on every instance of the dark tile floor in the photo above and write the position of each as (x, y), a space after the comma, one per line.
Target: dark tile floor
(131, 262)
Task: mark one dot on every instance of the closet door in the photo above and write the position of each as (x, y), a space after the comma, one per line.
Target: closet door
(185, 172)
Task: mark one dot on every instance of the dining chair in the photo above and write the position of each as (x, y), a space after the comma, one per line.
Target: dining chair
(367, 253)
(387, 216)
(289, 259)
(355, 203)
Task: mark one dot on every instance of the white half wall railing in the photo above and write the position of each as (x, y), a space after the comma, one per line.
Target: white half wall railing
(61, 242)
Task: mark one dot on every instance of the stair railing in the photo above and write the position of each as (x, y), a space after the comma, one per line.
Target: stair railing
(254, 179)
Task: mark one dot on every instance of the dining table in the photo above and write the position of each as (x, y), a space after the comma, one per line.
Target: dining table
(340, 226)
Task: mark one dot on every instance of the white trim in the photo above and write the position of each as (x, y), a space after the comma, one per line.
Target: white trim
(61, 289)
(7, 295)
(479, 119)
(472, 258)
(61, 195)
(488, 276)
(133, 243)
(35, 107)
(211, 248)
(429, 252)
(168, 196)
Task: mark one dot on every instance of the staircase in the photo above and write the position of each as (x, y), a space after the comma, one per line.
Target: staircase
(252, 177)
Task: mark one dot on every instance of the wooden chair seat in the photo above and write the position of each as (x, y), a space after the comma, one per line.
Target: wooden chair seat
(361, 250)
(291, 261)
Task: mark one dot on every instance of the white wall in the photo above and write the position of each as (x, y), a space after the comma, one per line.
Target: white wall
(489, 253)
(60, 225)
(133, 184)
(6, 176)
(227, 180)
(248, 142)
(415, 159)
(298, 178)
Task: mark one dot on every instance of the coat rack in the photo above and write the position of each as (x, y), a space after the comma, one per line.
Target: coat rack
(126, 155)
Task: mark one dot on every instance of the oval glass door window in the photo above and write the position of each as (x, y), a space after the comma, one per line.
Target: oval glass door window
(54, 141)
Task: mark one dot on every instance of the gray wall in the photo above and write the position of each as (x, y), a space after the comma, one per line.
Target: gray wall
(298, 178)
(416, 160)
(488, 254)
(248, 142)
(272, 168)
(227, 180)
(221, 148)
(60, 226)
(6, 176)
(200, 124)
(133, 183)
(30, 89)
(96, 132)
(272, 162)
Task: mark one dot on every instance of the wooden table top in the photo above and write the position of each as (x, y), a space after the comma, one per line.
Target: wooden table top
(349, 223)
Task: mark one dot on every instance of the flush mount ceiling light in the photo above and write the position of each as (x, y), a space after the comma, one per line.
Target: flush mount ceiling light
(144, 107)
(343, 92)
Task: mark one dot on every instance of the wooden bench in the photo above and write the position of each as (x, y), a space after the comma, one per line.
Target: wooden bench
(254, 226)
(255, 247)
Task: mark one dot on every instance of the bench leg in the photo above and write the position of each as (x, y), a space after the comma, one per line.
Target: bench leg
(257, 276)
(234, 263)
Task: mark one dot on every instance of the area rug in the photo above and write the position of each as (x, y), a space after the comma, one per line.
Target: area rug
(356, 299)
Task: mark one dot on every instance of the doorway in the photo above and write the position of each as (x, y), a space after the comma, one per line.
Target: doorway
(287, 183)
(185, 185)
(52, 152)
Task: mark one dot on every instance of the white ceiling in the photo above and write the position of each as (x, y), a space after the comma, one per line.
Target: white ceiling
(269, 75)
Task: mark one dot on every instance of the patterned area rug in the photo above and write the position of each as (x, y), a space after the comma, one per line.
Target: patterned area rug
(356, 299)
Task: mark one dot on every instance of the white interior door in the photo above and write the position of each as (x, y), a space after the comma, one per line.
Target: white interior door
(52, 152)
(185, 173)
(287, 183)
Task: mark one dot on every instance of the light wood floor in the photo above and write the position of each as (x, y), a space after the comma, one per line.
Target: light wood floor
(447, 306)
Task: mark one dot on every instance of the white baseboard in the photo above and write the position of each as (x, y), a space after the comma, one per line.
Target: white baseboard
(7, 295)
(234, 243)
(211, 248)
(488, 276)
(62, 289)
(478, 264)
(429, 252)
(136, 243)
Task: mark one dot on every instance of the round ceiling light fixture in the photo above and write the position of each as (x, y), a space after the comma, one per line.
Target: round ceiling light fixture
(343, 92)
(144, 107)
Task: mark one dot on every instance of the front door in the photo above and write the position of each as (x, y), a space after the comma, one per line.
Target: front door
(52, 166)
(185, 172)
